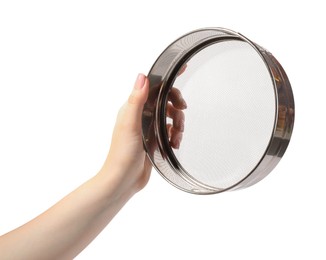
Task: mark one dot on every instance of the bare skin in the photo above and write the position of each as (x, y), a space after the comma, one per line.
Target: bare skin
(66, 228)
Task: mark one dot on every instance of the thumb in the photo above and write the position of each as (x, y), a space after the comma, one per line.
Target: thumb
(134, 106)
(139, 93)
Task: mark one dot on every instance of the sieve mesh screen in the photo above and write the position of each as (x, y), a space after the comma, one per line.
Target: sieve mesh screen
(230, 114)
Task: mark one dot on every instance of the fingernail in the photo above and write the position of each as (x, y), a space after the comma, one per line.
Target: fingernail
(184, 104)
(140, 81)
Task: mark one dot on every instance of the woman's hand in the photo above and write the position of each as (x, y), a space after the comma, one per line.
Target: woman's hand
(127, 158)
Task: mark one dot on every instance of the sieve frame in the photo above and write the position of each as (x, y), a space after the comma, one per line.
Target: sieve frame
(161, 77)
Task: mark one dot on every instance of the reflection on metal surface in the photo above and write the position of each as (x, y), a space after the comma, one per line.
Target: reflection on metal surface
(164, 121)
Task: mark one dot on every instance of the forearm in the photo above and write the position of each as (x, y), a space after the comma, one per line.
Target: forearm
(69, 226)
(65, 229)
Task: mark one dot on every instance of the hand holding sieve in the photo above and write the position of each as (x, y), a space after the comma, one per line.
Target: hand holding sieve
(220, 112)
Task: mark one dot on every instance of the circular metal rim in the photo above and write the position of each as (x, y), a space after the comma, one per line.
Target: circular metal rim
(155, 129)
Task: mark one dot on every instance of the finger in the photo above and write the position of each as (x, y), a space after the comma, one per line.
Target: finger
(176, 98)
(176, 138)
(182, 70)
(139, 93)
(130, 114)
(168, 130)
(177, 116)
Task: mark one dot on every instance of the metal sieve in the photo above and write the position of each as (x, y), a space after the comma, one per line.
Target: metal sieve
(220, 112)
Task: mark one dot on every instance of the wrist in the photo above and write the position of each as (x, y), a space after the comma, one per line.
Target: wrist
(112, 180)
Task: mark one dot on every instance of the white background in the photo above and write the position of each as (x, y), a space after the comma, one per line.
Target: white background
(67, 66)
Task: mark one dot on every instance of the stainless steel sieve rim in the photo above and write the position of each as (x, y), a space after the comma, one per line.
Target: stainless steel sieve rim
(161, 77)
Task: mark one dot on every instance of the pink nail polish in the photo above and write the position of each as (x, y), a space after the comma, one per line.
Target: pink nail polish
(140, 81)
